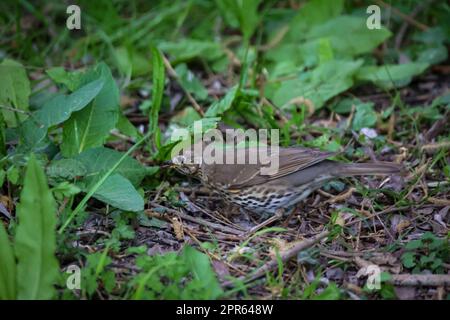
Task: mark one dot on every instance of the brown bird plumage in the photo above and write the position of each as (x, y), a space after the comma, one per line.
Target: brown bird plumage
(301, 171)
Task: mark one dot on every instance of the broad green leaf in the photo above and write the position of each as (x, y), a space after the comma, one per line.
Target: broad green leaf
(120, 193)
(202, 271)
(80, 206)
(8, 267)
(349, 36)
(98, 160)
(219, 107)
(319, 85)
(190, 82)
(90, 126)
(35, 241)
(157, 92)
(365, 116)
(57, 110)
(313, 13)
(14, 91)
(66, 169)
(390, 76)
(89, 166)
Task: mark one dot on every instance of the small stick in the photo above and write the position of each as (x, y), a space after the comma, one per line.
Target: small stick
(405, 17)
(402, 31)
(174, 75)
(430, 280)
(199, 220)
(272, 264)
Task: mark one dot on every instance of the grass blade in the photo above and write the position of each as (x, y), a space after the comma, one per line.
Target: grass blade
(157, 93)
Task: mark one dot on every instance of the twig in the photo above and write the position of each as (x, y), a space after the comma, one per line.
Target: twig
(405, 17)
(174, 75)
(402, 31)
(437, 127)
(430, 280)
(272, 264)
(198, 220)
(431, 147)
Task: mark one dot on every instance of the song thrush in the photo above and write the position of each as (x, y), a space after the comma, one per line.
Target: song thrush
(301, 171)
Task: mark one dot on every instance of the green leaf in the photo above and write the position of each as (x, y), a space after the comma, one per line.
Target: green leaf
(365, 116)
(202, 271)
(98, 160)
(244, 12)
(413, 245)
(8, 267)
(390, 76)
(319, 85)
(13, 174)
(345, 105)
(433, 55)
(187, 49)
(35, 241)
(313, 13)
(222, 105)
(120, 193)
(349, 35)
(409, 259)
(65, 190)
(101, 180)
(332, 292)
(157, 92)
(66, 169)
(14, 90)
(126, 127)
(70, 79)
(117, 190)
(56, 111)
(90, 126)
(435, 35)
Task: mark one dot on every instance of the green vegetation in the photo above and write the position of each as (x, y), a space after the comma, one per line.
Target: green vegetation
(86, 118)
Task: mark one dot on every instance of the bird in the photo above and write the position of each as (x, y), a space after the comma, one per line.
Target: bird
(300, 172)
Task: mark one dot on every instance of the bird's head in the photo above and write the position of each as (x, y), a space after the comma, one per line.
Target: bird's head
(185, 164)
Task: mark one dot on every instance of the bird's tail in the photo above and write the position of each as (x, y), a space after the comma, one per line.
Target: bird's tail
(361, 169)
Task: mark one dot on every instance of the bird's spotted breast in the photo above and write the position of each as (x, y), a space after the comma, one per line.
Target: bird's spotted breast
(260, 199)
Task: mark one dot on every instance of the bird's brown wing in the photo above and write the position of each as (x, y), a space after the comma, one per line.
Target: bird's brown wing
(236, 176)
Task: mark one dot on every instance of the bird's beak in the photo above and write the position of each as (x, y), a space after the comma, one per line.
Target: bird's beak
(167, 164)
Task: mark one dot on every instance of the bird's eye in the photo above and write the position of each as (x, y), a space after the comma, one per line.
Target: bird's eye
(179, 160)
